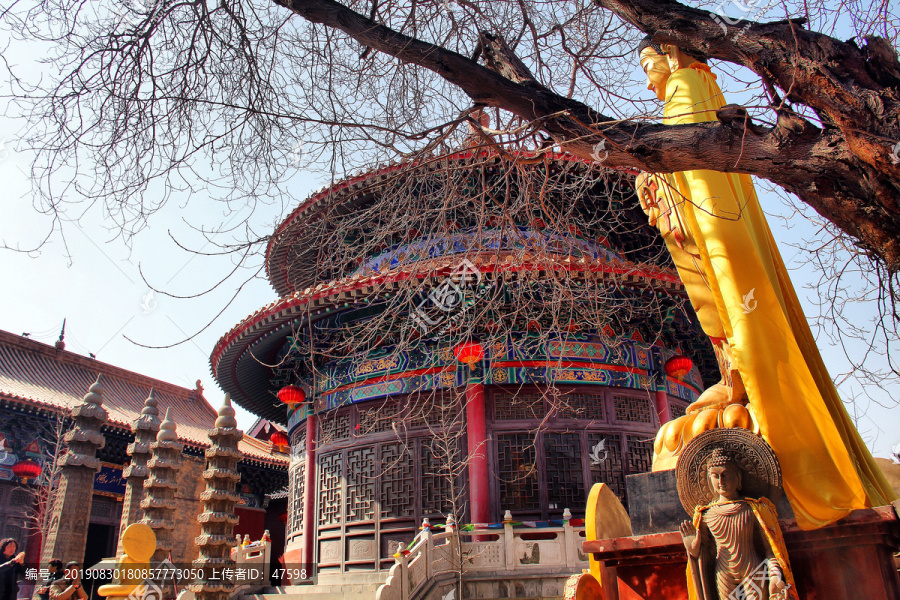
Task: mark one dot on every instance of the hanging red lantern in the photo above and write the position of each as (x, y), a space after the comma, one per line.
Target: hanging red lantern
(26, 469)
(469, 353)
(283, 517)
(292, 395)
(279, 440)
(678, 366)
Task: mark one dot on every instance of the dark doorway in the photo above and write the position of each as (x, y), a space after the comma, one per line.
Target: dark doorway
(101, 543)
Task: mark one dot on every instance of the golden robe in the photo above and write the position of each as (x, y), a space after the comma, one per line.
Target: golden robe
(723, 248)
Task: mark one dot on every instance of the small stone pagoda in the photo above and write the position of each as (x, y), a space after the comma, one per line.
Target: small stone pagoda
(217, 520)
(159, 503)
(145, 428)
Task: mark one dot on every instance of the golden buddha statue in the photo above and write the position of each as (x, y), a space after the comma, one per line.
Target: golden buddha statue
(774, 382)
(139, 544)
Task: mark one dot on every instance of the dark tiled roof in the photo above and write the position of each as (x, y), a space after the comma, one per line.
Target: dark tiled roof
(36, 374)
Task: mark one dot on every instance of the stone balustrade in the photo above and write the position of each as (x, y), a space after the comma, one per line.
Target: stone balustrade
(438, 562)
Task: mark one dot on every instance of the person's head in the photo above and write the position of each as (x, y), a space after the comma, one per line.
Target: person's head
(73, 570)
(724, 476)
(659, 61)
(8, 548)
(55, 565)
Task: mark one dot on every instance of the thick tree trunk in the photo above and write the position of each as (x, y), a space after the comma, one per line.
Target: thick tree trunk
(844, 171)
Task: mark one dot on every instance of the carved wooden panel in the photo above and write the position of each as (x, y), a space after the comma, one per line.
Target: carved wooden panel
(581, 406)
(518, 406)
(633, 409)
(517, 472)
(677, 410)
(605, 459)
(398, 482)
(334, 426)
(330, 489)
(564, 471)
(439, 459)
(295, 498)
(377, 418)
(640, 453)
(360, 477)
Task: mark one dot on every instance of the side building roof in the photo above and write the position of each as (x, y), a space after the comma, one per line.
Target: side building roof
(39, 375)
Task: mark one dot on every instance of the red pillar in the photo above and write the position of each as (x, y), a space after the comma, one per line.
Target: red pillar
(476, 433)
(662, 406)
(309, 495)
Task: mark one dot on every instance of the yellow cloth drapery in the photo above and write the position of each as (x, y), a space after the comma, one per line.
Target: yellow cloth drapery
(739, 285)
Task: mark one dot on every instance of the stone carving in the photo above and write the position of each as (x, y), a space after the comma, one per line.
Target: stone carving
(727, 479)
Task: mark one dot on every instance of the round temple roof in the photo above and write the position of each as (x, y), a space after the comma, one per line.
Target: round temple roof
(244, 359)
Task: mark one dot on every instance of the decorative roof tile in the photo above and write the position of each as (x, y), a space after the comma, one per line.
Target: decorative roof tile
(39, 375)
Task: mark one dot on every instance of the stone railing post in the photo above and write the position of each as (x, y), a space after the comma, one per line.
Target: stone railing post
(570, 540)
(428, 548)
(404, 577)
(509, 542)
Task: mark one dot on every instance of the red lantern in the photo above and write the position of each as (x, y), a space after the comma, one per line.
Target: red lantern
(469, 353)
(678, 366)
(292, 395)
(283, 517)
(26, 469)
(279, 440)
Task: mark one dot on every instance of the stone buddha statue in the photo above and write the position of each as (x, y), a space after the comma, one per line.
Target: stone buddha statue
(734, 543)
(773, 380)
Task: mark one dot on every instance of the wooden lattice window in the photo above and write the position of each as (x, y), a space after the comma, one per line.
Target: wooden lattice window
(605, 456)
(633, 409)
(425, 410)
(564, 471)
(581, 406)
(677, 410)
(439, 459)
(22, 498)
(335, 426)
(509, 407)
(296, 484)
(398, 482)
(640, 454)
(377, 419)
(360, 468)
(330, 467)
(517, 472)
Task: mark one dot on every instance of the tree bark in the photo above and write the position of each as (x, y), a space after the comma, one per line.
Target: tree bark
(843, 170)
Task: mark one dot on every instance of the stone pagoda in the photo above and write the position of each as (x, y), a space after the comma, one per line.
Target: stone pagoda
(68, 536)
(160, 486)
(145, 429)
(217, 520)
